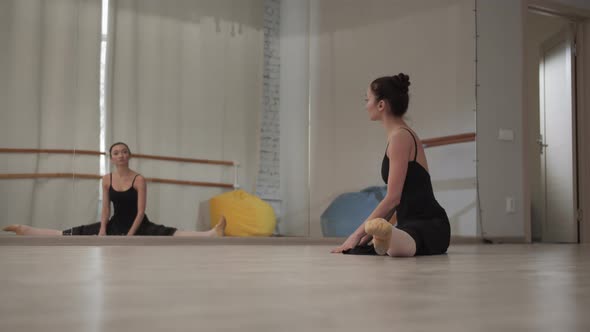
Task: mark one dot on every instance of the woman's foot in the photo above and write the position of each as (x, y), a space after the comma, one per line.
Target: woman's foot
(219, 229)
(31, 231)
(17, 229)
(381, 230)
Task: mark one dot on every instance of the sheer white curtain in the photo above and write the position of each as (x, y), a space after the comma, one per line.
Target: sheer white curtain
(187, 81)
(49, 77)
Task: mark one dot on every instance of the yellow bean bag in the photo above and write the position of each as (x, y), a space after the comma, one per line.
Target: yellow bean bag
(246, 214)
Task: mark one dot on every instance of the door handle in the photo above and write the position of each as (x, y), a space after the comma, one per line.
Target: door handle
(541, 145)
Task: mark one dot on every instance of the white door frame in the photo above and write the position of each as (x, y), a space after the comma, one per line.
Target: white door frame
(582, 106)
(567, 35)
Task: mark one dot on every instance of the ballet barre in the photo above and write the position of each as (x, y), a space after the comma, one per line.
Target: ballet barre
(10, 176)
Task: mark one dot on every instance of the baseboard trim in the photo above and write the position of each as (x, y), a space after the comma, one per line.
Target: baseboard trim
(505, 239)
(466, 239)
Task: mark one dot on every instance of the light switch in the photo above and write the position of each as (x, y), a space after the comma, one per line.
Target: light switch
(506, 135)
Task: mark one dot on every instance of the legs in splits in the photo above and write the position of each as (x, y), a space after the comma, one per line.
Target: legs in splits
(217, 231)
(28, 230)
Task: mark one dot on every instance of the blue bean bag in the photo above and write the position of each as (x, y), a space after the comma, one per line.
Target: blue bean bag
(347, 212)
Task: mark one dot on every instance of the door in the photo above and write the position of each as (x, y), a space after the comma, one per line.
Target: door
(557, 141)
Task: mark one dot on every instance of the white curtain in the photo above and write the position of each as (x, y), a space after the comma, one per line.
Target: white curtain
(49, 79)
(187, 82)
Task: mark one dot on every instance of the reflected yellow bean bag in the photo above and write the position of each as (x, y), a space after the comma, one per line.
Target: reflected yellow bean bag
(246, 214)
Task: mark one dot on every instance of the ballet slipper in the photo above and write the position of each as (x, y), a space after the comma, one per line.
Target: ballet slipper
(381, 230)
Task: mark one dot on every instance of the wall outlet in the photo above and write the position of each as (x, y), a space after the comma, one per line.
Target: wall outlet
(510, 205)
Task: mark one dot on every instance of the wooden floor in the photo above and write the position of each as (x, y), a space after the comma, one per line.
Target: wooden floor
(298, 286)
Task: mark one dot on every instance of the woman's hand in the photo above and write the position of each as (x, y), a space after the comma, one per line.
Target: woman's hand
(366, 239)
(352, 241)
(102, 231)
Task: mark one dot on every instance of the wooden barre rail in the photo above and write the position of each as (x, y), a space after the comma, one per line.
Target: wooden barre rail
(18, 176)
(448, 140)
(141, 156)
(430, 142)
(427, 143)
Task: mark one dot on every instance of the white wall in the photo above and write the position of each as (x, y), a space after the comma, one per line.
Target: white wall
(294, 96)
(538, 29)
(268, 181)
(500, 105)
(433, 43)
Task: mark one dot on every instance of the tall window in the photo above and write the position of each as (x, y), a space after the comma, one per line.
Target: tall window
(104, 160)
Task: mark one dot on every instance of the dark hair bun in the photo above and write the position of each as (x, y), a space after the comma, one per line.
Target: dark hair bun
(402, 82)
